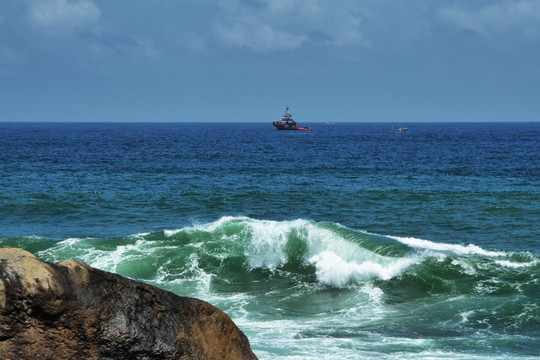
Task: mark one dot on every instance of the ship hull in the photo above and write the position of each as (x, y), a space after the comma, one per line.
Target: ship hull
(285, 127)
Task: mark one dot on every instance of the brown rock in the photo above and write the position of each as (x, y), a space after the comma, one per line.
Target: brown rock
(69, 310)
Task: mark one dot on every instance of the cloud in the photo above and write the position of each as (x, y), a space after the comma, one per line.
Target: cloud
(265, 25)
(259, 37)
(247, 23)
(105, 42)
(63, 14)
(510, 17)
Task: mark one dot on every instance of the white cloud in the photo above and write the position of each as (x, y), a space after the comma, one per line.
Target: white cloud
(259, 37)
(503, 18)
(63, 13)
(298, 6)
(265, 25)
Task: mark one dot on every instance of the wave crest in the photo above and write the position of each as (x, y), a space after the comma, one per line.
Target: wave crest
(242, 252)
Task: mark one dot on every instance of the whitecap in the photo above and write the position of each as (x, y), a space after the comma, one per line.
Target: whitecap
(332, 269)
(456, 249)
(515, 265)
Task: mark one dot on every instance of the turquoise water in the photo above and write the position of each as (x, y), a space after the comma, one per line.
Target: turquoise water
(345, 242)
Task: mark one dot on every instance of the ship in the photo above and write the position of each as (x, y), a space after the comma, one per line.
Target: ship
(287, 122)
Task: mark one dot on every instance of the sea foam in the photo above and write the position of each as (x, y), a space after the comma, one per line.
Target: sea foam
(334, 270)
(454, 248)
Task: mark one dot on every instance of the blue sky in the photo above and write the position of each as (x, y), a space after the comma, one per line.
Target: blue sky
(245, 60)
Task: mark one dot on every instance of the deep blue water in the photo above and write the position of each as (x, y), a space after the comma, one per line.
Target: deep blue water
(332, 243)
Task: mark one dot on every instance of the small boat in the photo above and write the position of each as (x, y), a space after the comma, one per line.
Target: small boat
(287, 122)
(400, 129)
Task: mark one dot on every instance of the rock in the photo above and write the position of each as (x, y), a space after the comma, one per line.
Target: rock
(68, 310)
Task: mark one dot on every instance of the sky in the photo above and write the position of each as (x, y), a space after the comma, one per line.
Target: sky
(396, 61)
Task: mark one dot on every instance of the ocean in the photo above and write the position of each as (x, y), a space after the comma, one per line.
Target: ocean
(345, 242)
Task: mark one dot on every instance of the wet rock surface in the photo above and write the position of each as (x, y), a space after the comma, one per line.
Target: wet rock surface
(68, 310)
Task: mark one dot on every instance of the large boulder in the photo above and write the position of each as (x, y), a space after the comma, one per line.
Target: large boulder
(68, 310)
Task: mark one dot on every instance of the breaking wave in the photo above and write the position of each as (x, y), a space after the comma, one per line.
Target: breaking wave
(238, 252)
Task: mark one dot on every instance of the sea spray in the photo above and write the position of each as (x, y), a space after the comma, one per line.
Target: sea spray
(331, 269)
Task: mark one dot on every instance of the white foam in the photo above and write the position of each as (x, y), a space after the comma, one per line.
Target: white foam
(511, 264)
(465, 316)
(169, 233)
(111, 259)
(73, 241)
(268, 239)
(488, 287)
(63, 246)
(375, 294)
(141, 235)
(213, 226)
(207, 227)
(467, 268)
(456, 249)
(359, 305)
(333, 270)
(265, 240)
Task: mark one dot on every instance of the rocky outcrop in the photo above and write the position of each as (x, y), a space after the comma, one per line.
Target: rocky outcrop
(68, 310)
